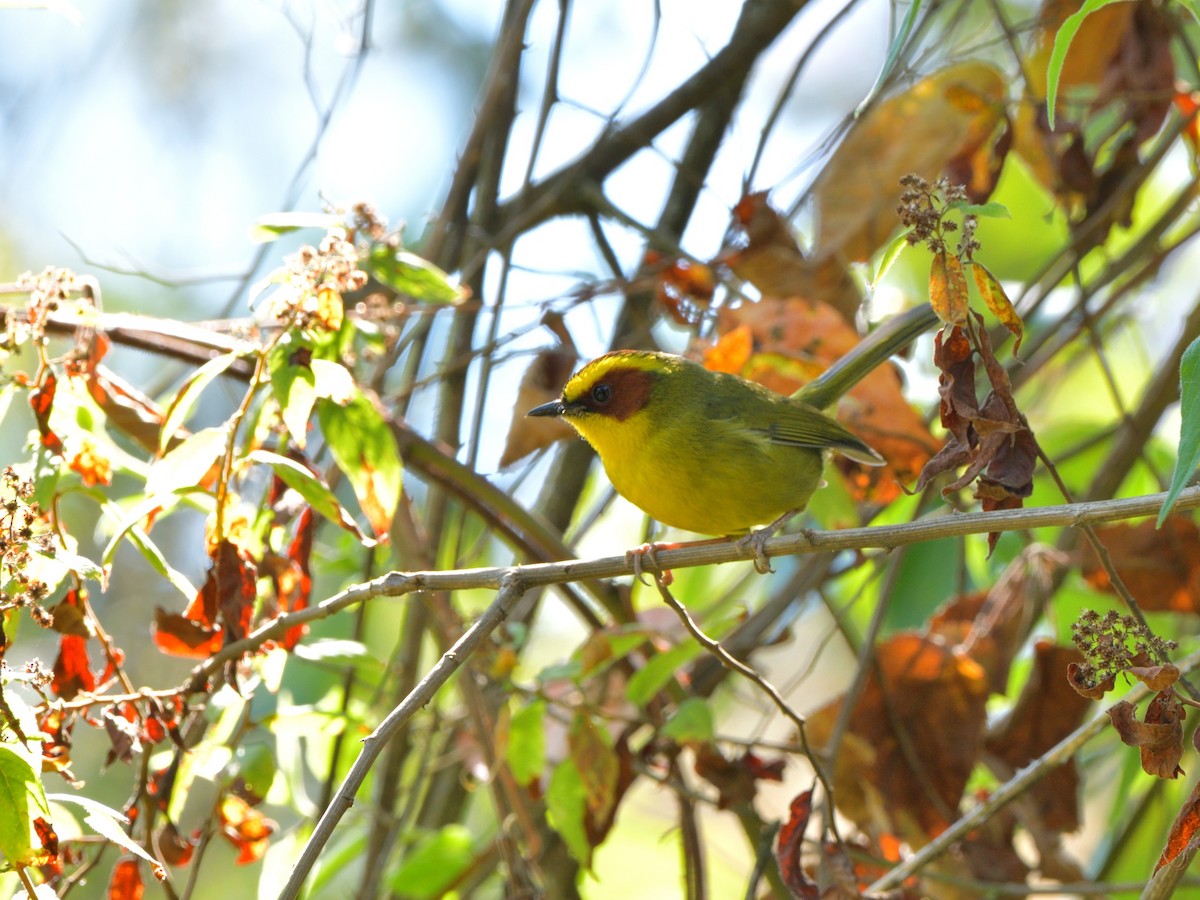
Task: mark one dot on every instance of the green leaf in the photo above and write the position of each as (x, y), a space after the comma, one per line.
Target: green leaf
(408, 274)
(691, 724)
(893, 54)
(188, 462)
(1062, 43)
(293, 385)
(22, 799)
(888, 257)
(566, 804)
(185, 400)
(990, 210)
(526, 751)
(364, 448)
(1189, 426)
(274, 225)
(658, 670)
(435, 863)
(314, 491)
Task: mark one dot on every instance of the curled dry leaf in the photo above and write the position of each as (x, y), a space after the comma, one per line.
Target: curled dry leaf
(1157, 678)
(542, 382)
(788, 844)
(990, 438)
(1084, 686)
(1159, 738)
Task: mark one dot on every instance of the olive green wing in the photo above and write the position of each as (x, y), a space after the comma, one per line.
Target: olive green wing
(800, 425)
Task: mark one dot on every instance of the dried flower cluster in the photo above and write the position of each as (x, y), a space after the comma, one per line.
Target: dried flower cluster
(20, 538)
(48, 289)
(1113, 643)
(923, 208)
(313, 281)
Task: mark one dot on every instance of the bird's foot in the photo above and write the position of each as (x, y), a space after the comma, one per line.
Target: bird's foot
(757, 541)
(647, 552)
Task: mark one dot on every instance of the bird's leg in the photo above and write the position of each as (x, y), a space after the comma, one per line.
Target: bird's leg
(757, 541)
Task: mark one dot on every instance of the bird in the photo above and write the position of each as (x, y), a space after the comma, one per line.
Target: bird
(711, 452)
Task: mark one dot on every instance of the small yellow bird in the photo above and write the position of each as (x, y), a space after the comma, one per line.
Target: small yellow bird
(714, 453)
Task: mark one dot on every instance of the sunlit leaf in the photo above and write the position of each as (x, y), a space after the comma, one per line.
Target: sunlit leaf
(185, 399)
(22, 798)
(364, 448)
(188, 464)
(408, 274)
(948, 288)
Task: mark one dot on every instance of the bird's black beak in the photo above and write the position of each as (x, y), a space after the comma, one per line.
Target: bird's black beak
(553, 408)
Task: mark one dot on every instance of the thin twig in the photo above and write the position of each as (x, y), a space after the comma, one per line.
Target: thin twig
(511, 590)
(715, 648)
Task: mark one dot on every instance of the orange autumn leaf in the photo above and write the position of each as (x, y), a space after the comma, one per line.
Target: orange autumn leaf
(126, 881)
(731, 352)
(1183, 830)
(93, 467)
(914, 738)
(245, 827)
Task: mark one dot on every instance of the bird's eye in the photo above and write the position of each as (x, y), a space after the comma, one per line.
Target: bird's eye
(601, 393)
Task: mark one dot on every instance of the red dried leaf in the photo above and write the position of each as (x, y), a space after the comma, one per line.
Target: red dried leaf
(47, 837)
(178, 635)
(220, 613)
(126, 882)
(914, 737)
(736, 780)
(176, 850)
(41, 401)
(299, 592)
(787, 848)
(72, 672)
(122, 735)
